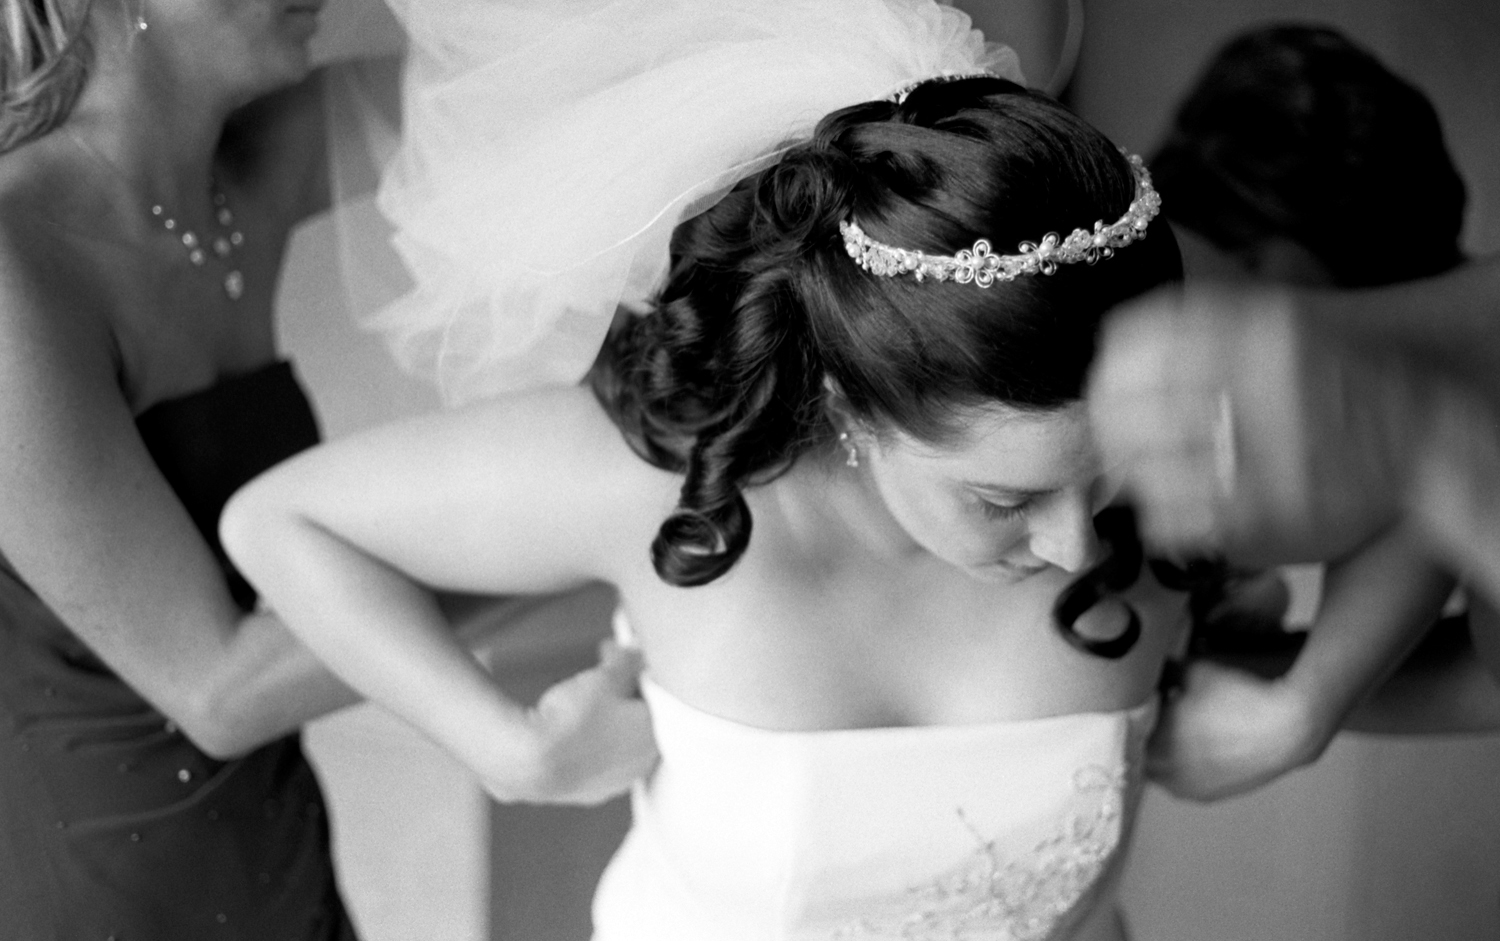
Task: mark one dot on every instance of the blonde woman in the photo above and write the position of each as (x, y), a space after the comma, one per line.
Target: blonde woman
(153, 158)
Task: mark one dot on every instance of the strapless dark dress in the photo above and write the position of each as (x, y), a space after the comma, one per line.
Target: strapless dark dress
(112, 824)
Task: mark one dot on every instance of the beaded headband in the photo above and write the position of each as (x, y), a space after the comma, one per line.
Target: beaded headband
(900, 95)
(982, 267)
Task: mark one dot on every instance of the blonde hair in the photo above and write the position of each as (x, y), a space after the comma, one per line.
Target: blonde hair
(44, 60)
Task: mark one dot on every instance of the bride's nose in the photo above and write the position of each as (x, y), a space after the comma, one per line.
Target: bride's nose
(1064, 534)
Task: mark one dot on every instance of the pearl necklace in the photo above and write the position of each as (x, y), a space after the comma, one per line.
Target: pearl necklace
(224, 244)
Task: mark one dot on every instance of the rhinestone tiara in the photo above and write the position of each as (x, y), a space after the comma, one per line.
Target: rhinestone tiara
(900, 95)
(983, 267)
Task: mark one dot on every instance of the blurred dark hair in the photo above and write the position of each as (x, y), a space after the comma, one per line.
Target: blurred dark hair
(1294, 131)
(765, 322)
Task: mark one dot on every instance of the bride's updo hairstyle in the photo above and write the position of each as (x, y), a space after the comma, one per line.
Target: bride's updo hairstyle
(765, 324)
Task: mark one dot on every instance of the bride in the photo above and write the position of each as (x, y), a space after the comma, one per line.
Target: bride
(886, 667)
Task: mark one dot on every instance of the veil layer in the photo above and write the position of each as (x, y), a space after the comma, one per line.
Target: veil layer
(549, 148)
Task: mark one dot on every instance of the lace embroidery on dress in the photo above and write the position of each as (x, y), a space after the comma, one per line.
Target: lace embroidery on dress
(1026, 899)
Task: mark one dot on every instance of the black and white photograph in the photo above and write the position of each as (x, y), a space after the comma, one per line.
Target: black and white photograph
(749, 470)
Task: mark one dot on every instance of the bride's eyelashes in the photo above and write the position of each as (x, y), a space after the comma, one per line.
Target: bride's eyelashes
(1004, 511)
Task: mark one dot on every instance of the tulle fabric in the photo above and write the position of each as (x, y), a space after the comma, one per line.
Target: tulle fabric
(550, 146)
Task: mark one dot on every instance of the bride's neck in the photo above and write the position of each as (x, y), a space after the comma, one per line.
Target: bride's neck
(830, 504)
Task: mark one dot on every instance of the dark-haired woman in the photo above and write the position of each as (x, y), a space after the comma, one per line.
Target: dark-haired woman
(836, 467)
(1289, 142)
(1286, 145)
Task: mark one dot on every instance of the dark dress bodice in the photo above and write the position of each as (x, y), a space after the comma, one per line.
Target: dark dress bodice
(113, 824)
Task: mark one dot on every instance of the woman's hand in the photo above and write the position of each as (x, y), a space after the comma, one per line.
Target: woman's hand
(1236, 426)
(589, 737)
(1229, 731)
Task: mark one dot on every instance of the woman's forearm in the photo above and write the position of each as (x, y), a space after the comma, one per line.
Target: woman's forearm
(1376, 606)
(267, 685)
(1443, 687)
(377, 630)
(1450, 323)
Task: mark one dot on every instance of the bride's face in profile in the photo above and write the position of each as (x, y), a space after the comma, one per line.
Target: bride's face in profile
(1014, 495)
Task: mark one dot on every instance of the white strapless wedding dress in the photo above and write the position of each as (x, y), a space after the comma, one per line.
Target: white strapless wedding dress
(993, 832)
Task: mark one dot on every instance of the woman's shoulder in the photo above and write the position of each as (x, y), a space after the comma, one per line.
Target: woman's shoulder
(51, 263)
(565, 417)
(561, 433)
(548, 464)
(32, 191)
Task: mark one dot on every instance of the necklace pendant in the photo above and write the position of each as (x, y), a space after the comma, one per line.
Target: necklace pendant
(234, 285)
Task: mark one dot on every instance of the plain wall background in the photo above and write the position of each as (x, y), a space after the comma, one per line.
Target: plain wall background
(1381, 840)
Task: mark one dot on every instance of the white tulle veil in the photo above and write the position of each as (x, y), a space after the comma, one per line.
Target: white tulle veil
(549, 148)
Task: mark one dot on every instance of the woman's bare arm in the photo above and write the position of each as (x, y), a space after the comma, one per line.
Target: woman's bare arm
(90, 524)
(1449, 324)
(1442, 687)
(535, 493)
(1230, 730)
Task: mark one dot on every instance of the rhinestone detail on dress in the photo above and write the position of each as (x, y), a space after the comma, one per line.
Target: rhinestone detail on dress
(993, 898)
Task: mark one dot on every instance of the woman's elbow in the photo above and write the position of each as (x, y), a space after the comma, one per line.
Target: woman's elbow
(247, 527)
(237, 524)
(220, 715)
(215, 721)
(219, 734)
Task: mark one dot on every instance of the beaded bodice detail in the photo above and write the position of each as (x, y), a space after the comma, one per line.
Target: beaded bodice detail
(993, 895)
(1011, 831)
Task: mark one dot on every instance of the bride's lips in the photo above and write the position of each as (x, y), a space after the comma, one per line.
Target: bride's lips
(1021, 571)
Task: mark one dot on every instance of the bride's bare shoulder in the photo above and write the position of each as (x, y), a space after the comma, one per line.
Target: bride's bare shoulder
(568, 417)
(564, 433)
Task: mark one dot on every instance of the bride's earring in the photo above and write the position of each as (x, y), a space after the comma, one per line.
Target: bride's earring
(847, 443)
(140, 18)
